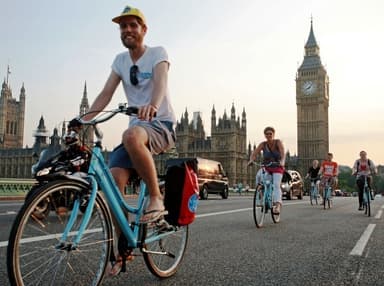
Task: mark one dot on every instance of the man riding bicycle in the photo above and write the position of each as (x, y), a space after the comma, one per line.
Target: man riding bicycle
(313, 173)
(363, 167)
(143, 71)
(328, 171)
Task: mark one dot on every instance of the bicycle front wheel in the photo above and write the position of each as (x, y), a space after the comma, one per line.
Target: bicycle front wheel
(164, 249)
(34, 255)
(275, 216)
(259, 208)
(313, 197)
(367, 204)
(326, 198)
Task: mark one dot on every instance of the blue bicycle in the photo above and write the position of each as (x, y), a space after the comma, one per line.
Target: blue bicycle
(314, 193)
(366, 197)
(73, 241)
(263, 199)
(327, 196)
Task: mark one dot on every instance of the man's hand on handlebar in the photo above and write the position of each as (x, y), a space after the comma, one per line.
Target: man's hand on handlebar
(147, 112)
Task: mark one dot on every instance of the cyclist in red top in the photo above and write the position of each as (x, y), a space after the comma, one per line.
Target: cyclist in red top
(329, 171)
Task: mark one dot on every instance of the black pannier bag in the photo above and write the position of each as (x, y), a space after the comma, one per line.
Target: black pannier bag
(181, 191)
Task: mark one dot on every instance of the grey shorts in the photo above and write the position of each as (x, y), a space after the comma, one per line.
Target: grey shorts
(161, 138)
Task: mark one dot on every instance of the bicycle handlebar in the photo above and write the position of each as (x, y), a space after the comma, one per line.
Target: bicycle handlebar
(123, 108)
(270, 164)
(108, 114)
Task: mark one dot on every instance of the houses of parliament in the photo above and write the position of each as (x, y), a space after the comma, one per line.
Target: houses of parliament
(227, 142)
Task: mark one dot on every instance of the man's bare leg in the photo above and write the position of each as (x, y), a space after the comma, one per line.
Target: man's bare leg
(135, 142)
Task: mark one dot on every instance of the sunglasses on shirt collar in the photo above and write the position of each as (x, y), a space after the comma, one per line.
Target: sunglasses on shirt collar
(133, 75)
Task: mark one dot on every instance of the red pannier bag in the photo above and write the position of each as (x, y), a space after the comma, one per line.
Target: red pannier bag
(181, 191)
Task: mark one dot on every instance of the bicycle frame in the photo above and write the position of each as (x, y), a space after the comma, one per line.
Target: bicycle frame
(366, 190)
(314, 189)
(79, 236)
(263, 198)
(99, 175)
(327, 189)
(366, 197)
(267, 188)
(327, 193)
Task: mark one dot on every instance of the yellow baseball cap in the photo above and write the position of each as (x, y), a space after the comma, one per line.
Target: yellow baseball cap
(129, 11)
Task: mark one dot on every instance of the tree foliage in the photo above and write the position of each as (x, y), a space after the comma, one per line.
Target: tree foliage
(347, 182)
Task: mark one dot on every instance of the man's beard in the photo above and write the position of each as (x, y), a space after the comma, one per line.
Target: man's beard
(128, 45)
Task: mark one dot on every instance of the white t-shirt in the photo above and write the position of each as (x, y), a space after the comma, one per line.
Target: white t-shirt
(141, 94)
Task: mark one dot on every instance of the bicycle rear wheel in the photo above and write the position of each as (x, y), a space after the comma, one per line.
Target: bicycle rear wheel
(259, 208)
(34, 256)
(163, 256)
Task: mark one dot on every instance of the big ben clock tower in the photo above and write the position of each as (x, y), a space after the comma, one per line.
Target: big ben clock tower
(312, 100)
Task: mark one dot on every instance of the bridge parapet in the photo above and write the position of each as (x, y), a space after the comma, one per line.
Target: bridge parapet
(15, 187)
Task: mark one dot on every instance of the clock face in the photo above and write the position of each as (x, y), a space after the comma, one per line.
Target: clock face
(309, 87)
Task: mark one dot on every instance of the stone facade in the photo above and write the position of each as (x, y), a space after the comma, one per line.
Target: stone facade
(312, 100)
(12, 114)
(15, 161)
(227, 143)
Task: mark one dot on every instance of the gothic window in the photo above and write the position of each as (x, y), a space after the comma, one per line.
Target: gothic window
(7, 130)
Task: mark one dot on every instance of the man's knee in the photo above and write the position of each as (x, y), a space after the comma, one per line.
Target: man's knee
(134, 136)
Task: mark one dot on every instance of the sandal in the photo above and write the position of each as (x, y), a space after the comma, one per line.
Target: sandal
(276, 209)
(154, 215)
(117, 265)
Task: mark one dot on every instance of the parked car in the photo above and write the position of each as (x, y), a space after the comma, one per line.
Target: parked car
(292, 185)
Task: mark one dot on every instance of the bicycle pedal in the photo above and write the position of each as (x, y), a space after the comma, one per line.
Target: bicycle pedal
(162, 224)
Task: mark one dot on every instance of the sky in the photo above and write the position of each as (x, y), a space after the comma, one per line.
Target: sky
(244, 53)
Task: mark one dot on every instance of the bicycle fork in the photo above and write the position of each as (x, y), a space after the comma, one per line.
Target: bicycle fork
(64, 244)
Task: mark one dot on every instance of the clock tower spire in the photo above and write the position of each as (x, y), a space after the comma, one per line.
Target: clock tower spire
(312, 100)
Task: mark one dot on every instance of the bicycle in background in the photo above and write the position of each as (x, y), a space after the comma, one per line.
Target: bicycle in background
(263, 199)
(72, 243)
(314, 192)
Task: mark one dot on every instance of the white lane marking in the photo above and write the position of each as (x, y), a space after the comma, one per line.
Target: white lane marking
(5, 243)
(241, 210)
(55, 236)
(10, 204)
(378, 215)
(9, 213)
(362, 242)
(224, 212)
